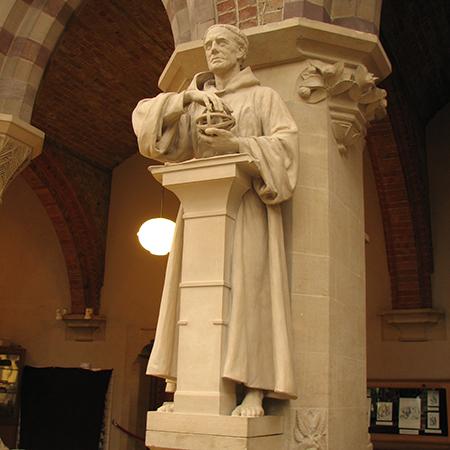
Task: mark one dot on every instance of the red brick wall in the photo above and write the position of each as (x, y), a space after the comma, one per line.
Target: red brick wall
(76, 198)
(408, 264)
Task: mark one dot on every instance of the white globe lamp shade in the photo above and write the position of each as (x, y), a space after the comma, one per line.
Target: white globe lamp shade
(156, 235)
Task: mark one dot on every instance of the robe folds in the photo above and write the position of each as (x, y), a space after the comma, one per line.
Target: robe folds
(259, 342)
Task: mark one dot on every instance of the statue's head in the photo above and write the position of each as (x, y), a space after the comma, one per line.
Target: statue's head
(225, 46)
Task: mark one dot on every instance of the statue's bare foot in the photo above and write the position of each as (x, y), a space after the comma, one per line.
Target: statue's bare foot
(166, 407)
(251, 405)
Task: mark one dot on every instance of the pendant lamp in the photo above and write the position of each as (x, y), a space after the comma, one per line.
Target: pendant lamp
(156, 235)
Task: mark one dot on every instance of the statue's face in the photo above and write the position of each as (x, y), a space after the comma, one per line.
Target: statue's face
(222, 51)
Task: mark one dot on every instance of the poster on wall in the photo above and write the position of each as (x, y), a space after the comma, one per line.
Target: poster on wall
(433, 399)
(418, 411)
(384, 413)
(409, 413)
(433, 421)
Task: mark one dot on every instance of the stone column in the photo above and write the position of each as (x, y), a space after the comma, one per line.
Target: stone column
(19, 144)
(325, 74)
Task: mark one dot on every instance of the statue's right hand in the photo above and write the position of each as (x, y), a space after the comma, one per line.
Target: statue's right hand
(208, 99)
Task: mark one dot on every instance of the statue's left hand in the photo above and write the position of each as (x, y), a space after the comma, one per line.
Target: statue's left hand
(216, 141)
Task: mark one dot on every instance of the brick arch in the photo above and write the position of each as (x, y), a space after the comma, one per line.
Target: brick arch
(408, 240)
(25, 48)
(77, 237)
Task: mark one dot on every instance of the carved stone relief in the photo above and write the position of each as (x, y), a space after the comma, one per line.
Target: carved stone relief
(319, 81)
(310, 430)
(14, 157)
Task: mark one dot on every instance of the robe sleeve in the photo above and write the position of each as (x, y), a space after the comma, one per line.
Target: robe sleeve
(162, 127)
(276, 151)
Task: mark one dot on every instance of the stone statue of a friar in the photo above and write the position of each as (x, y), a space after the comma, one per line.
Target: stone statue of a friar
(259, 346)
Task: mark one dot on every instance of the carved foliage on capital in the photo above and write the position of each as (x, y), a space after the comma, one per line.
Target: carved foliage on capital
(354, 89)
(14, 157)
(320, 80)
(310, 431)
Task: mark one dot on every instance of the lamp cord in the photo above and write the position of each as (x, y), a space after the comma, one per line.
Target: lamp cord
(162, 202)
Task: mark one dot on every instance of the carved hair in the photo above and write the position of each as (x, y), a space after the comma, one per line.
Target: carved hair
(238, 36)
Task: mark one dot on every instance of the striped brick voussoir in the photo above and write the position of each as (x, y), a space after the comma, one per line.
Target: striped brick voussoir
(34, 43)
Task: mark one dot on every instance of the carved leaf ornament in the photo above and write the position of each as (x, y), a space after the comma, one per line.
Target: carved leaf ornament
(14, 157)
(310, 430)
(320, 80)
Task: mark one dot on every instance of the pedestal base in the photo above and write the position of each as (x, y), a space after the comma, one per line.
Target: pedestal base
(207, 432)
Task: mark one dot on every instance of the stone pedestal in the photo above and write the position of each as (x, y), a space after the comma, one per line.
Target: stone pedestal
(19, 144)
(208, 432)
(325, 74)
(210, 192)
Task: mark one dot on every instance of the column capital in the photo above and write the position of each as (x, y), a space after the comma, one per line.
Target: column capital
(353, 98)
(289, 41)
(19, 144)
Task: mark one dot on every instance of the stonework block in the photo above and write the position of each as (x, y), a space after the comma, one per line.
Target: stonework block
(275, 5)
(312, 377)
(347, 428)
(53, 7)
(310, 274)
(248, 12)
(182, 18)
(311, 322)
(201, 10)
(248, 23)
(13, 15)
(184, 441)
(6, 39)
(273, 16)
(228, 18)
(41, 27)
(310, 217)
(21, 71)
(346, 389)
(53, 34)
(313, 171)
(244, 3)
(225, 6)
(347, 339)
(7, 6)
(349, 288)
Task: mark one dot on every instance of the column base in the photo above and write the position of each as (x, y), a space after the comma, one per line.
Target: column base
(207, 432)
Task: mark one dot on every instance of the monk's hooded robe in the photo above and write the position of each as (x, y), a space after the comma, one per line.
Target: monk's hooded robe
(259, 347)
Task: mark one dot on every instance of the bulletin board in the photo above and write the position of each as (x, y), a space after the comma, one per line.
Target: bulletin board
(408, 411)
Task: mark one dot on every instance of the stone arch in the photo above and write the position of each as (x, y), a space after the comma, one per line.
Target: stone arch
(30, 31)
(408, 241)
